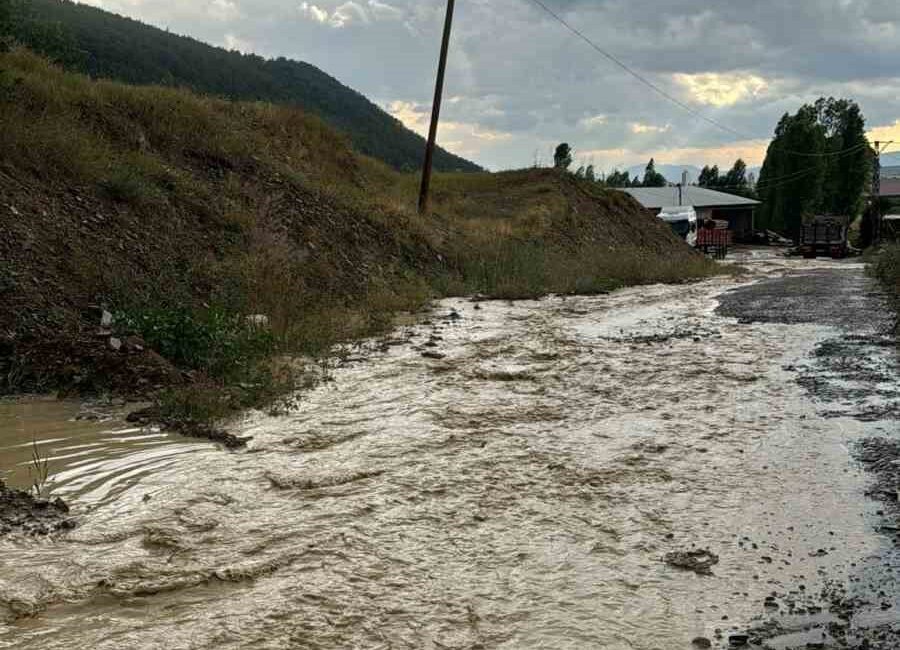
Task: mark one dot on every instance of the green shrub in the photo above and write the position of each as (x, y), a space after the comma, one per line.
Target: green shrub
(214, 342)
(129, 187)
(886, 268)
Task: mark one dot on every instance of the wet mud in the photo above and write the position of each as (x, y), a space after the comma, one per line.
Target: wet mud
(21, 512)
(152, 416)
(853, 374)
(630, 471)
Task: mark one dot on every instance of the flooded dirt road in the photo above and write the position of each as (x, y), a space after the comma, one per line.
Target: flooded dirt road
(522, 486)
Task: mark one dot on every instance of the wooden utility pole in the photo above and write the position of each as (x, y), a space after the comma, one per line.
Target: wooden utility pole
(436, 111)
(876, 193)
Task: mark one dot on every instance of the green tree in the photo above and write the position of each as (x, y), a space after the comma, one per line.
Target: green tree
(562, 157)
(736, 178)
(709, 176)
(819, 162)
(653, 178)
(5, 15)
(618, 179)
(849, 168)
(791, 181)
(590, 174)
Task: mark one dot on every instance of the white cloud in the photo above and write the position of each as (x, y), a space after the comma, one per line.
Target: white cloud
(383, 10)
(751, 151)
(722, 89)
(351, 12)
(316, 13)
(462, 138)
(590, 123)
(886, 133)
(232, 42)
(347, 13)
(224, 10)
(638, 127)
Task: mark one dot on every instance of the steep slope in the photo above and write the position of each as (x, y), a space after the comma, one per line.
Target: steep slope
(105, 45)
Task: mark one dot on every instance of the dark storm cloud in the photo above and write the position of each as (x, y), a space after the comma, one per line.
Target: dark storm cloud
(518, 81)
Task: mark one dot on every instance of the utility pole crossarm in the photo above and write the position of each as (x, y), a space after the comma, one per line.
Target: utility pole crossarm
(436, 111)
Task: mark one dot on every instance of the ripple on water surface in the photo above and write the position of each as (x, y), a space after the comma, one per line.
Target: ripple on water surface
(95, 462)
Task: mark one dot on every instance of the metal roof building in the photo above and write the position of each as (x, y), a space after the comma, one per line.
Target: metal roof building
(654, 198)
(738, 211)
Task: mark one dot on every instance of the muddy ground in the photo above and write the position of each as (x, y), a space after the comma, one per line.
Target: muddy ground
(855, 374)
(661, 468)
(21, 512)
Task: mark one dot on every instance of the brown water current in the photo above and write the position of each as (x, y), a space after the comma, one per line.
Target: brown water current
(521, 492)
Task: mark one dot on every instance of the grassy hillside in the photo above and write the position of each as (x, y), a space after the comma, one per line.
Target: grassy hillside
(181, 215)
(104, 45)
(886, 268)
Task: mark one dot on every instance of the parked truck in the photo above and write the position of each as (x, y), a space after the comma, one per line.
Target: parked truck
(682, 220)
(826, 236)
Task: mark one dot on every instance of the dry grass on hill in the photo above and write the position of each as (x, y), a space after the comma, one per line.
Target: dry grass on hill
(182, 214)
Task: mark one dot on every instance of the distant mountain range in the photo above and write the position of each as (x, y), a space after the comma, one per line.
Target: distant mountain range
(101, 44)
(890, 171)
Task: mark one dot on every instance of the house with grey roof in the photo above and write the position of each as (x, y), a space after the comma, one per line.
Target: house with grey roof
(738, 211)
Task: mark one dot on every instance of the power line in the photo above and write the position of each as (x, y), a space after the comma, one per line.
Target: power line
(637, 75)
(780, 181)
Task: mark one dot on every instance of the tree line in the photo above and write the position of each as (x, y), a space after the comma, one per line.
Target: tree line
(736, 180)
(563, 159)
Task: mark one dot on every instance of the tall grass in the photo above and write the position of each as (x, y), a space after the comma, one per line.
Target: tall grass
(886, 268)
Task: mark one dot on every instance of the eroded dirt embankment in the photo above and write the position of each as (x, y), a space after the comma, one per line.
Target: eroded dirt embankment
(182, 215)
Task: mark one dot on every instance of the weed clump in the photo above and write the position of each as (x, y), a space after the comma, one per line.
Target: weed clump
(886, 269)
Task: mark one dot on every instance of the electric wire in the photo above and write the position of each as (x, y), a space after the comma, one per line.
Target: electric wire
(662, 92)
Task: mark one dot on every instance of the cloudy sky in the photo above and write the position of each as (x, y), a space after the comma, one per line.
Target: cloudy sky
(518, 82)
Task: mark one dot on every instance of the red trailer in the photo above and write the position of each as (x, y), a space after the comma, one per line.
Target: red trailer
(714, 239)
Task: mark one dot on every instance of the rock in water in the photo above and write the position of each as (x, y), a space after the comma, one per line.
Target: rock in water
(698, 561)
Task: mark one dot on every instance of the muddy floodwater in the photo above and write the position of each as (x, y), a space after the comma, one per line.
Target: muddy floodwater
(520, 487)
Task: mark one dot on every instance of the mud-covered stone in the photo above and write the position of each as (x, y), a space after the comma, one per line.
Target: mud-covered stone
(700, 561)
(20, 511)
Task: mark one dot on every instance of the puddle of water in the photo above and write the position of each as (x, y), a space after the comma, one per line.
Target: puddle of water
(88, 461)
(521, 492)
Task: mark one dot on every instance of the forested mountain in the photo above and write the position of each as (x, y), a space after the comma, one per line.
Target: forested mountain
(102, 44)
